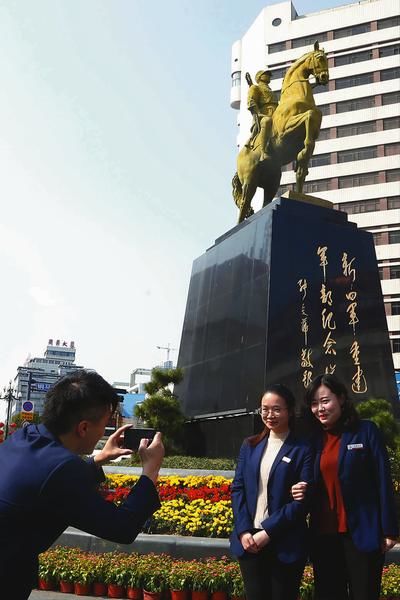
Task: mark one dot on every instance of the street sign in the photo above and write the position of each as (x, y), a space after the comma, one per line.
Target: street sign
(40, 386)
(27, 406)
(27, 416)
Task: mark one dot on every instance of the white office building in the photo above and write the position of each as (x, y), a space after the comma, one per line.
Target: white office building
(356, 162)
(39, 373)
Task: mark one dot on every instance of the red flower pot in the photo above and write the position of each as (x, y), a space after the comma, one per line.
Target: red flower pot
(179, 595)
(151, 595)
(219, 596)
(82, 589)
(199, 595)
(99, 589)
(134, 593)
(116, 591)
(46, 585)
(67, 587)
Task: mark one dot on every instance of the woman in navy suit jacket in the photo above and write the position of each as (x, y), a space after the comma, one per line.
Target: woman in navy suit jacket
(353, 515)
(270, 531)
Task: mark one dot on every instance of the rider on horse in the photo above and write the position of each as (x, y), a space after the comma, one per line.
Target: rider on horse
(261, 102)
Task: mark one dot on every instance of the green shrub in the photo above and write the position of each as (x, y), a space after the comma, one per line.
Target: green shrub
(186, 462)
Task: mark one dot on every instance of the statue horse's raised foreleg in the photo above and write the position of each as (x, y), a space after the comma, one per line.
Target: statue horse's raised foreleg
(312, 124)
(245, 182)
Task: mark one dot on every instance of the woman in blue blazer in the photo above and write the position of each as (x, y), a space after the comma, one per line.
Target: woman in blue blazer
(353, 515)
(270, 531)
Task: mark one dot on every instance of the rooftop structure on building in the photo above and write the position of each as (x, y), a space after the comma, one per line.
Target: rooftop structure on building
(356, 161)
(38, 374)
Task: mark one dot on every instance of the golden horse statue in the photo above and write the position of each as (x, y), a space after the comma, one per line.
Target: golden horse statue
(295, 128)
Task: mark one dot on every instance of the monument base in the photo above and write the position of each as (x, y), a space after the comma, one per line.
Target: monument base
(292, 292)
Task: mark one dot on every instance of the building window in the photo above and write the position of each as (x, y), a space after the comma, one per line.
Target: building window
(356, 104)
(357, 154)
(394, 237)
(391, 123)
(389, 50)
(391, 98)
(356, 129)
(285, 188)
(392, 175)
(309, 40)
(276, 22)
(395, 272)
(322, 185)
(378, 240)
(395, 345)
(317, 89)
(236, 78)
(353, 30)
(354, 80)
(392, 149)
(279, 73)
(393, 73)
(325, 109)
(396, 309)
(380, 270)
(324, 134)
(363, 206)
(320, 160)
(394, 202)
(357, 180)
(355, 57)
(288, 167)
(278, 47)
(389, 22)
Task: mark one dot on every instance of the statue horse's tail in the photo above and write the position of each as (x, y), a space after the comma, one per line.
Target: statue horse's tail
(237, 190)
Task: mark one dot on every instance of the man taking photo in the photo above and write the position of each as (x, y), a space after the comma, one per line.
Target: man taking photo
(45, 485)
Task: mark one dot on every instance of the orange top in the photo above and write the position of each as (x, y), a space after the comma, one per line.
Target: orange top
(330, 514)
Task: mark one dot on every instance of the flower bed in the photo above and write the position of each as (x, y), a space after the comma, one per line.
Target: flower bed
(194, 505)
(158, 573)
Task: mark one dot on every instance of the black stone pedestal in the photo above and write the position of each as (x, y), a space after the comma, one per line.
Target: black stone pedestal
(290, 293)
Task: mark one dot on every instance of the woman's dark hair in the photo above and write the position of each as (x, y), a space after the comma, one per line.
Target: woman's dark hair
(78, 396)
(349, 416)
(280, 390)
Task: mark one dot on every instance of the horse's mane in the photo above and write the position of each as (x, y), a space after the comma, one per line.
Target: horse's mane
(294, 66)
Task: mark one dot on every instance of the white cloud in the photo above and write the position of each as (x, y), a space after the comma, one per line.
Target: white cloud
(42, 296)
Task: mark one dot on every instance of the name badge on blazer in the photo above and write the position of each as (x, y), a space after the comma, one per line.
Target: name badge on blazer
(355, 446)
(286, 459)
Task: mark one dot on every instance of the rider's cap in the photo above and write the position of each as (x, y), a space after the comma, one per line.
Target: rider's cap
(260, 73)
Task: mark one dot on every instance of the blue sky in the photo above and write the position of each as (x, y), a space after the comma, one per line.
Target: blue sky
(117, 149)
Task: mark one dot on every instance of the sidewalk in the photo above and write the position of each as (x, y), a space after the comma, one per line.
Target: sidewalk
(39, 595)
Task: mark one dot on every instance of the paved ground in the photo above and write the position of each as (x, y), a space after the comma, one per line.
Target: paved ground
(37, 595)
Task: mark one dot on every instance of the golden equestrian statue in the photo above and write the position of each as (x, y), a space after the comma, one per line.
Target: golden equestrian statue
(296, 122)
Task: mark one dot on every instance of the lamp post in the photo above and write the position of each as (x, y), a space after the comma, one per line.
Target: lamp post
(9, 397)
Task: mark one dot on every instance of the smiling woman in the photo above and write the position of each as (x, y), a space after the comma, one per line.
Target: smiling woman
(353, 514)
(269, 464)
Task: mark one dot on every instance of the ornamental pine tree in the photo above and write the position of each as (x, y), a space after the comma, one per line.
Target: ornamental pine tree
(161, 409)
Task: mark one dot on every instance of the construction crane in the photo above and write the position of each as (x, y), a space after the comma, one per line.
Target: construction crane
(168, 349)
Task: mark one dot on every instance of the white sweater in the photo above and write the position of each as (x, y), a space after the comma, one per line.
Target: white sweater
(274, 444)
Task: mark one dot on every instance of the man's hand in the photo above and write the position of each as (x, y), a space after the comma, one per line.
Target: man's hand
(261, 538)
(151, 455)
(299, 490)
(248, 542)
(388, 543)
(113, 447)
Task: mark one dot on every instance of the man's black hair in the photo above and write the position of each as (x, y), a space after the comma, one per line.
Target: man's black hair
(80, 395)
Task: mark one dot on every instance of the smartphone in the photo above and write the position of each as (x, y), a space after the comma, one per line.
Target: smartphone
(132, 437)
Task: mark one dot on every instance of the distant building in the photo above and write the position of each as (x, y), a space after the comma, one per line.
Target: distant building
(356, 162)
(38, 374)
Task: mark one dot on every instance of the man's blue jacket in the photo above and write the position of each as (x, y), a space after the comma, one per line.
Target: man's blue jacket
(45, 488)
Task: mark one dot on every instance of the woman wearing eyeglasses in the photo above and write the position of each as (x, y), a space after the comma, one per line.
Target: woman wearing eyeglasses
(270, 532)
(353, 515)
